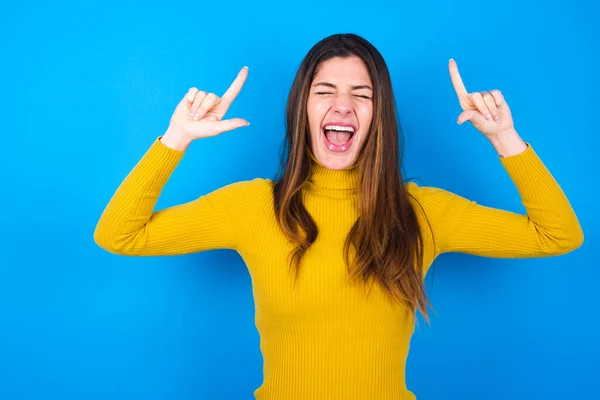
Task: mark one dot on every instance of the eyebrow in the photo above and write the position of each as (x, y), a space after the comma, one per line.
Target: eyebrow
(331, 85)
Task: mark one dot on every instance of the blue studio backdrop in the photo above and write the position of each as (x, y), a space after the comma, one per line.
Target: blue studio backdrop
(86, 89)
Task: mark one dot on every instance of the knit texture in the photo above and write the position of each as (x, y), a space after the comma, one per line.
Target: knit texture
(325, 338)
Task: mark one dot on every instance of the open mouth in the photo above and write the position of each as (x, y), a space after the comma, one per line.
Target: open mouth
(338, 137)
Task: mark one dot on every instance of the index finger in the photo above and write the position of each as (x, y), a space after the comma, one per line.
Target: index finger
(457, 82)
(235, 87)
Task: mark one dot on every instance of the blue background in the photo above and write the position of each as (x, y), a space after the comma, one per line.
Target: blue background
(86, 89)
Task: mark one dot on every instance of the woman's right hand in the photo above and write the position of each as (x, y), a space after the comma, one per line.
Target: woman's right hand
(200, 115)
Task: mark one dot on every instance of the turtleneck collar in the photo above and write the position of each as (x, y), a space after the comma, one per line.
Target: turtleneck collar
(325, 178)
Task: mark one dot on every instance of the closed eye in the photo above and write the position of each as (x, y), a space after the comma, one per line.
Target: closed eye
(358, 95)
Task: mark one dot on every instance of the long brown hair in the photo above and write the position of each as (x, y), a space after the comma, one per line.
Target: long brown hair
(386, 237)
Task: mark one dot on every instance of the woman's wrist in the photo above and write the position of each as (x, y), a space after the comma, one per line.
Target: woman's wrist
(508, 144)
(175, 139)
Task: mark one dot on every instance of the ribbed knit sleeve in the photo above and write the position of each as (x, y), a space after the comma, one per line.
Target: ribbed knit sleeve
(549, 227)
(130, 226)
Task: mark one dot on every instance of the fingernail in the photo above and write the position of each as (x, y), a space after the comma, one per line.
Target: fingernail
(497, 117)
(488, 115)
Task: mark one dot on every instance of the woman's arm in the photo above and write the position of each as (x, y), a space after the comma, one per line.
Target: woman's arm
(130, 226)
(549, 227)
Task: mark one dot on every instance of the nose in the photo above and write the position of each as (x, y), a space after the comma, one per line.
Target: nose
(342, 105)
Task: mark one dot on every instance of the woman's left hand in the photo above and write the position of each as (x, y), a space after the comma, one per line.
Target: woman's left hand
(487, 111)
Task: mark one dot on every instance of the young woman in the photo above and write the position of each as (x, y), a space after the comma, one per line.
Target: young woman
(338, 245)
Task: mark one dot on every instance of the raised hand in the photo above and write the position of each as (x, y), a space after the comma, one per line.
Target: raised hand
(487, 111)
(200, 114)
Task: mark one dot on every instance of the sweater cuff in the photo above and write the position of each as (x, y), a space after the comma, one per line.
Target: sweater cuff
(167, 154)
(524, 166)
(160, 160)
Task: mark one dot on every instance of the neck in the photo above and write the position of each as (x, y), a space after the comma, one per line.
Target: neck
(325, 178)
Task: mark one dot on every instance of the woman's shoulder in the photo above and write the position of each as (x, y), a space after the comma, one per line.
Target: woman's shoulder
(435, 201)
(423, 192)
(254, 184)
(248, 189)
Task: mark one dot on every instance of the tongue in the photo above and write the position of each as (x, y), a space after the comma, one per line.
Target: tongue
(336, 137)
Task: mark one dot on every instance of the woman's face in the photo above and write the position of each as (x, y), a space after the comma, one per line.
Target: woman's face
(340, 110)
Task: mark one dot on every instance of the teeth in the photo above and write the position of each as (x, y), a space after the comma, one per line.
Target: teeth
(339, 128)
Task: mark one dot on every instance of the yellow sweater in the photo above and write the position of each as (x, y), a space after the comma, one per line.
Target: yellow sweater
(325, 339)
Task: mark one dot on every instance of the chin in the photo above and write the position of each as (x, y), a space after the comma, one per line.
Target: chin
(335, 161)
